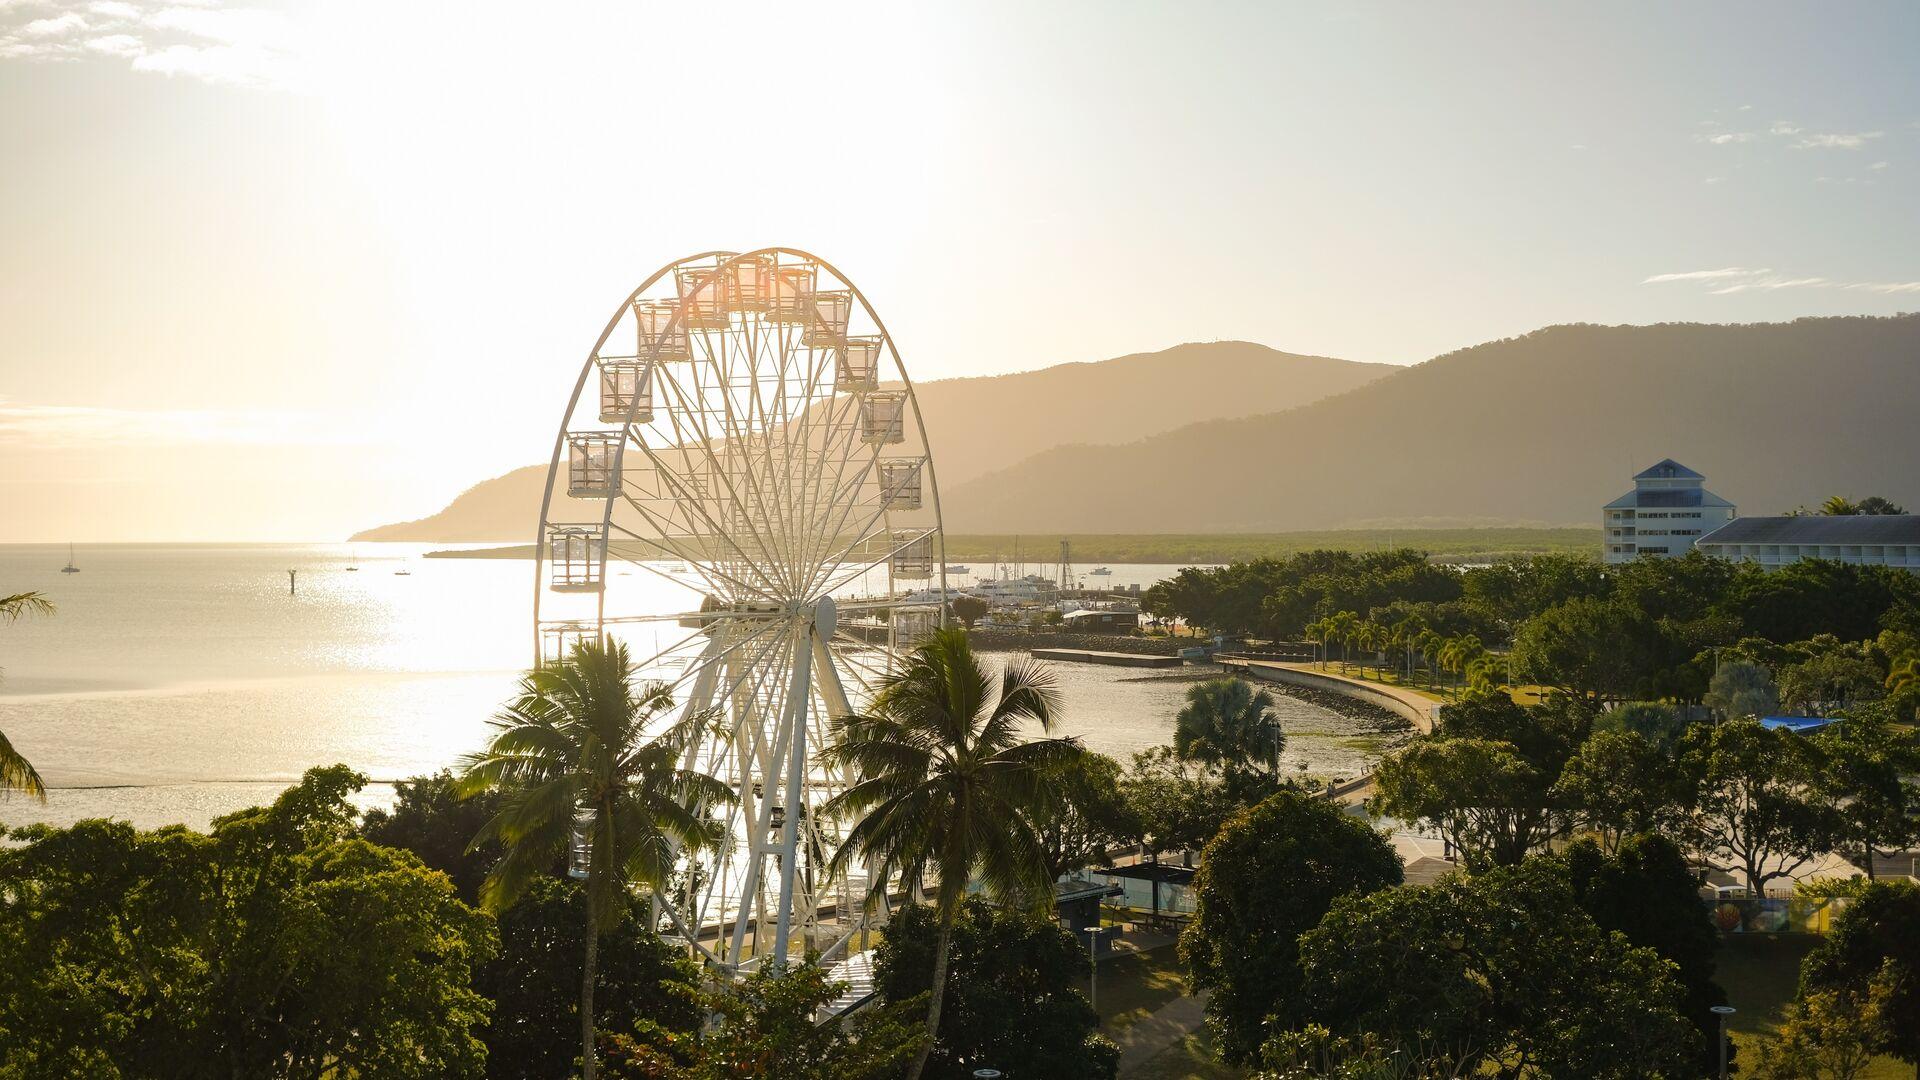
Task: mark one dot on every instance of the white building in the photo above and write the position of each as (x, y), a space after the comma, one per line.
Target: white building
(1665, 514)
(1866, 539)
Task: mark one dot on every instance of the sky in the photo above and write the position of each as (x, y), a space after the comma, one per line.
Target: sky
(285, 271)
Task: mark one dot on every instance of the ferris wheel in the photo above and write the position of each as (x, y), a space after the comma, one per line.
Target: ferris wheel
(742, 492)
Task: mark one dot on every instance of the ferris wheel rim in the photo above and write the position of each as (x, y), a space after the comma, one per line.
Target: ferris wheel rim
(721, 260)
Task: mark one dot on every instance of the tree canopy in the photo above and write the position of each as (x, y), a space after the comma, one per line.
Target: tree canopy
(277, 944)
(1268, 876)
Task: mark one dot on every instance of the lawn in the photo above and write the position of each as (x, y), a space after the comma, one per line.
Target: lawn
(1761, 973)
(1136, 986)
(1091, 549)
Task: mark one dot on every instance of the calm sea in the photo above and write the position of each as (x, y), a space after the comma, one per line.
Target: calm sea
(179, 682)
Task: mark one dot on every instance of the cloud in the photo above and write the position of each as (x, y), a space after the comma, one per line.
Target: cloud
(1878, 165)
(229, 45)
(1704, 275)
(1837, 140)
(115, 45)
(54, 27)
(84, 426)
(1785, 127)
(1726, 138)
(1732, 280)
(1769, 284)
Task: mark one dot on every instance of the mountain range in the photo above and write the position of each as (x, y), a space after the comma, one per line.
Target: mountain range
(984, 424)
(1545, 427)
(1542, 428)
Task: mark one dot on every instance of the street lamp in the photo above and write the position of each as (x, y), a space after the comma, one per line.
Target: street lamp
(1723, 1011)
(1093, 955)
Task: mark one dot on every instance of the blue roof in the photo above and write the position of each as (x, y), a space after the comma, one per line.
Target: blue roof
(1667, 469)
(1797, 723)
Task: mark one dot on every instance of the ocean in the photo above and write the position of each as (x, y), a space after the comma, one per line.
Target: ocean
(178, 682)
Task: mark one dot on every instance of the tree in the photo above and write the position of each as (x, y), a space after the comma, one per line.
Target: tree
(968, 609)
(574, 766)
(1759, 807)
(1091, 815)
(1267, 877)
(1178, 805)
(1502, 969)
(1830, 679)
(942, 781)
(278, 944)
(1488, 801)
(16, 772)
(1838, 506)
(766, 1028)
(1658, 722)
(430, 819)
(1867, 770)
(1620, 783)
(1486, 776)
(1874, 504)
(533, 982)
(1314, 1053)
(1743, 689)
(1013, 981)
(1648, 892)
(1829, 1034)
(1879, 931)
(1599, 650)
(1229, 725)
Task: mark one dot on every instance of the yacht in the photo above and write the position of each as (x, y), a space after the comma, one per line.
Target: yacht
(352, 559)
(69, 568)
(1100, 571)
(956, 570)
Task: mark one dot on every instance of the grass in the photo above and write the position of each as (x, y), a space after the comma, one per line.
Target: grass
(1192, 1058)
(1092, 549)
(1761, 973)
(1189, 549)
(1137, 985)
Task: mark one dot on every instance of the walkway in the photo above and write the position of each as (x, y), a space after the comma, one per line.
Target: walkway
(1418, 709)
(1147, 1038)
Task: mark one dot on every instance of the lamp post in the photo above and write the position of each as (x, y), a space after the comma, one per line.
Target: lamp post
(1723, 1011)
(1094, 934)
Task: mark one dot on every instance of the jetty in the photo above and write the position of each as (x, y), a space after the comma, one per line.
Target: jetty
(1116, 659)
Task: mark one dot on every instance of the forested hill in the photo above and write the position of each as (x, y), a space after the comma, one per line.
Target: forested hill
(983, 424)
(1544, 427)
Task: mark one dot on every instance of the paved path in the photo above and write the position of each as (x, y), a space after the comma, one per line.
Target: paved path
(1146, 1038)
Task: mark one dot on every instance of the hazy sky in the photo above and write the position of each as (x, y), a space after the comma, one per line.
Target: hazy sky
(289, 270)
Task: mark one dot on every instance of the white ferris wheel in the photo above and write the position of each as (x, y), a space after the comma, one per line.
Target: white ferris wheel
(743, 493)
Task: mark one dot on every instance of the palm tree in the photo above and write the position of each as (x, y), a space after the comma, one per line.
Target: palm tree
(1342, 627)
(571, 756)
(942, 781)
(1226, 723)
(1405, 630)
(16, 772)
(1839, 506)
(1429, 642)
(1316, 632)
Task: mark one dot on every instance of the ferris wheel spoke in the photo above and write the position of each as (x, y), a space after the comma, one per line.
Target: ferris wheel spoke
(700, 563)
(753, 442)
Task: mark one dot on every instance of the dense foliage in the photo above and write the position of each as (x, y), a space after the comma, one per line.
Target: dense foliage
(278, 944)
(1014, 1000)
(1268, 876)
(1503, 967)
(765, 1027)
(1880, 931)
